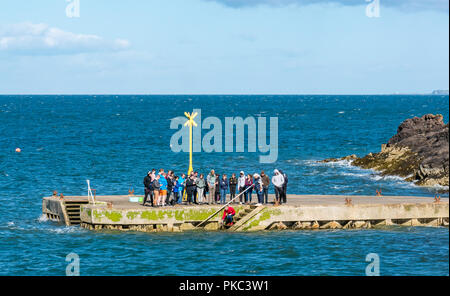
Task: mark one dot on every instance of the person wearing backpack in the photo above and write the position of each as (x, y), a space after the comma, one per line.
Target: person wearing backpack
(156, 188)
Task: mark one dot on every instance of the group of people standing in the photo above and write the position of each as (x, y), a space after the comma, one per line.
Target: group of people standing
(162, 189)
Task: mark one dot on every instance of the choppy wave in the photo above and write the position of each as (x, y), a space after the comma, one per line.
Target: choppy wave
(347, 170)
(30, 245)
(42, 218)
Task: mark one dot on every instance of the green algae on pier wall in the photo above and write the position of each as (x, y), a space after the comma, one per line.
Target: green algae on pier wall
(264, 215)
(174, 215)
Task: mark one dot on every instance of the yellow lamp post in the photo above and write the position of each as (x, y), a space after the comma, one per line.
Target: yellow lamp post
(191, 123)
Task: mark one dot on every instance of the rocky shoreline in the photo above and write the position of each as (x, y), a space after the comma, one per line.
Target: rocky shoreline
(419, 152)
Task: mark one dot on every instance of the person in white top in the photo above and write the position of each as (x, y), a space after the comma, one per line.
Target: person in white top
(278, 181)
(241, 185)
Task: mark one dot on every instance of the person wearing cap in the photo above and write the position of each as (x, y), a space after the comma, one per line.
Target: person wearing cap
(148, 188)
(278, 182)
(228, 216)
(241, 185)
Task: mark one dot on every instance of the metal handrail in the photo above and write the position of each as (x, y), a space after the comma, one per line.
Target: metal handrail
(223, 207)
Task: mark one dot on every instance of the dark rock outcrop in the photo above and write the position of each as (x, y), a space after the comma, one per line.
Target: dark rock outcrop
(419, 152)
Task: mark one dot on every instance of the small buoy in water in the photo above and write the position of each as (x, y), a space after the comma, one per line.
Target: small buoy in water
(18, 150)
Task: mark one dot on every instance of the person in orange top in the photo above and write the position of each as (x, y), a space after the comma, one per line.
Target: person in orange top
(228, 215)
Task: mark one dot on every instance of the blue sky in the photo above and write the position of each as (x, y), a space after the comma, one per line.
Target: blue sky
(223, 47)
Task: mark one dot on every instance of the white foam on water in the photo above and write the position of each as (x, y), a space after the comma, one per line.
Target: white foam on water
(64, 230)
(436, 187)
(342, 163)
(357, 172)
(378, 177)
(360, 175)
(42, 218)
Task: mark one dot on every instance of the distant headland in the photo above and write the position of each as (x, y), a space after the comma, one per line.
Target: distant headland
(440, 92)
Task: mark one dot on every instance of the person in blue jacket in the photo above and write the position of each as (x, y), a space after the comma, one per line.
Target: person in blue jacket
(182, 182)
(223, 189)
(163, 188)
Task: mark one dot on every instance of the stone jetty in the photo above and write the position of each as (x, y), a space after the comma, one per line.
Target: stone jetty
(301, 212)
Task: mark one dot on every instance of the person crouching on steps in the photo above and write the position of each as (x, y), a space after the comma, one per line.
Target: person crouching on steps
(228, 216)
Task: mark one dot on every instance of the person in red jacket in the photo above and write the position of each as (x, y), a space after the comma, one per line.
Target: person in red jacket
(228, 215)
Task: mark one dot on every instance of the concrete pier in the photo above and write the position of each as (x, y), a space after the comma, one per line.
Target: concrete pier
(301, 212)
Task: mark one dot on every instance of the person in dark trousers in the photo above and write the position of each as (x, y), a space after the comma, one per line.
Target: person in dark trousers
(190, 188)
(283, 196)
(217, 187)
(228, 216)
(148, 189)
(248, 193)
(169, 179)
(223, 183)
(176, 190)
(241, 185)
(233, 184)
(259, 189)
(265, 183)
(278, 181)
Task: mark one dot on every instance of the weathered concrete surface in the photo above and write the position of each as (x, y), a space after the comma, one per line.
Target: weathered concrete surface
(54, 209)
(339, 213)
(146, 215)
(301, 212)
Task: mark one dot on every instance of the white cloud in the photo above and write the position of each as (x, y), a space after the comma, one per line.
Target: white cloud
(41, 39)
(438, 5)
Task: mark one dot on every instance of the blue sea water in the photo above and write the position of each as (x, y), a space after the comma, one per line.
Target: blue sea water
(115, 140)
